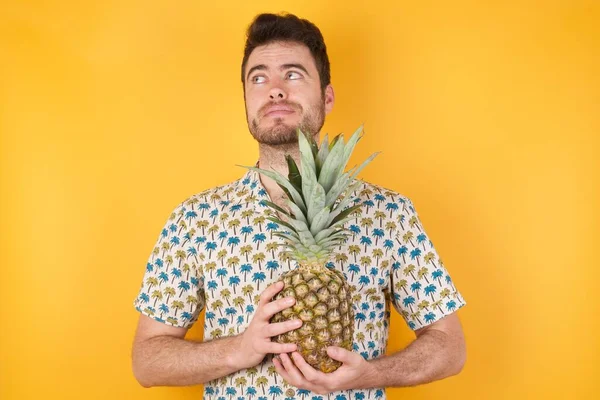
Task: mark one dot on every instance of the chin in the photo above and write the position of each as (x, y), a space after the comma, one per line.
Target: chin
(277, 135)
(280, 127)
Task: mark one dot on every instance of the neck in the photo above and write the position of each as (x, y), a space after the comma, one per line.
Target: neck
(273, 158)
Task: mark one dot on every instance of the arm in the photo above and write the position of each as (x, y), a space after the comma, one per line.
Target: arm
(437, 352)
(162, 357)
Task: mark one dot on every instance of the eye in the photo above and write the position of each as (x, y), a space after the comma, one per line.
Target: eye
(258, 79)
(293, 75)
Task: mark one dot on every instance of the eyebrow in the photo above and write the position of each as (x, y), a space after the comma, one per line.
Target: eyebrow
(263, 67)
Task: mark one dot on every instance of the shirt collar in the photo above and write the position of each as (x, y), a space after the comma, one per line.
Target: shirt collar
(251, 182)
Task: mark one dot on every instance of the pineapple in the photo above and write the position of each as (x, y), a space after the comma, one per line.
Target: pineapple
(319, 193)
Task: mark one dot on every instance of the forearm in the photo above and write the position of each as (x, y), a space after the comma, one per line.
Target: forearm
(434, 355)
(171, 361)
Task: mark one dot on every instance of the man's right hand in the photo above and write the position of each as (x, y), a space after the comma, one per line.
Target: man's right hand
(255, 343)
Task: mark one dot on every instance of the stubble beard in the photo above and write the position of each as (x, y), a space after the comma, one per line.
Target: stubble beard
(280, 133)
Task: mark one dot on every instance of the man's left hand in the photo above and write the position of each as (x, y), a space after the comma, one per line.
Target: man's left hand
(352, 374)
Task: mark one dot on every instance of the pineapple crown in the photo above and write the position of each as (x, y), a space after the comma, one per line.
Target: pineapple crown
(316, 218)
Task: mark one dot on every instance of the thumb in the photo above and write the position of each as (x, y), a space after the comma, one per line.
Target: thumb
(341, 354)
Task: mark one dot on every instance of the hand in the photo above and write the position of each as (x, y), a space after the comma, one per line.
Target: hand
(354, 373)
(256, 341)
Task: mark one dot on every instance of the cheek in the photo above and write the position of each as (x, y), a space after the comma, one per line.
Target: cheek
(253, 103)
(251, 109)
(306, 98)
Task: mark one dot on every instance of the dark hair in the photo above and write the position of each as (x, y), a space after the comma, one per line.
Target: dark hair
(268, 28)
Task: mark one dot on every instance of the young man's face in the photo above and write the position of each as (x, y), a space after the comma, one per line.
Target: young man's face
(283, 92)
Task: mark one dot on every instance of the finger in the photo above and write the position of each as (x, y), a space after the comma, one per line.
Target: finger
(276, 348)
(341, 354)
(272, 308)
(307, 370)
(292, 371)
(279, 328)
(281, 371)
(269, 292)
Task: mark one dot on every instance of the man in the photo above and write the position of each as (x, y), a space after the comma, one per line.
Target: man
(217, 251)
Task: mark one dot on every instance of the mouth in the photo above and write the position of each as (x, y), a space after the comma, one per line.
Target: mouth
(278, 111)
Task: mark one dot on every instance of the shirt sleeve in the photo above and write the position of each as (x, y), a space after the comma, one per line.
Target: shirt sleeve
(421, 287)
(172, 288)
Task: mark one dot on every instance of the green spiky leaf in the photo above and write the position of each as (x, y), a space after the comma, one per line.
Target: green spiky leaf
(348, 149)
(314, 146)
(306, 153)
(317, 215)
(276, 207)
(364, 164)
(319, 221)
(294, 174)
(327, 177)
(280, 222)
(334, 141)
(284, 183)
(344, 214)
(322, 154)
(338, 188)
(316, 202)
(297, 212)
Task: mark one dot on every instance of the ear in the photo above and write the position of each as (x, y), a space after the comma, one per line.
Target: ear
(329, 99)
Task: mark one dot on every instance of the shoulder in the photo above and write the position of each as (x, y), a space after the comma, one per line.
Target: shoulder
(213, 200)
(381, 198)
(222, 195)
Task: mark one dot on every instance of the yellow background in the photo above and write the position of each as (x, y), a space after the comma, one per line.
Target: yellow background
(488, 113)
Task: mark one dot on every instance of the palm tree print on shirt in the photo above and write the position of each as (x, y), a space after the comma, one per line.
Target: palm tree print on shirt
(217, 252)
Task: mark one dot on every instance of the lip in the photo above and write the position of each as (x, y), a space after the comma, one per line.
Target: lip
(278, 111)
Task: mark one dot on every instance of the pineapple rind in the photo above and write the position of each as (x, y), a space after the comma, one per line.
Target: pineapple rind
(332, 298)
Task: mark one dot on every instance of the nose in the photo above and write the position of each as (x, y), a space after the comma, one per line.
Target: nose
(277, 93)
